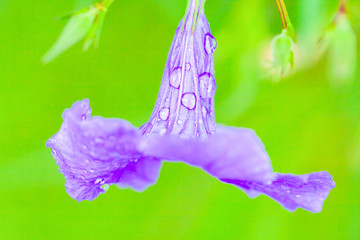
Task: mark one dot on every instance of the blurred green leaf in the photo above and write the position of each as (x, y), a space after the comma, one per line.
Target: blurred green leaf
(75, 30)
(342, 46)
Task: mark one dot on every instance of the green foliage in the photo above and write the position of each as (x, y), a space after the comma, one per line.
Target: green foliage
(85, 23)
(78, 26)
(341, 44)
(305, 125)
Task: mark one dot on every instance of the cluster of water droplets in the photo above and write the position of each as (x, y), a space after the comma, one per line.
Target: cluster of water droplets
(185, 104)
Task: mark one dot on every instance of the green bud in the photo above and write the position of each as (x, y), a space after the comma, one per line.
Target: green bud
(282, 53)
(341, 46)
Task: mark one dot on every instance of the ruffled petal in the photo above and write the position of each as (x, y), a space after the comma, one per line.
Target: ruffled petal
(138, 176)
(94, 151)
(237, 156)
(234, 153)
(291, 191)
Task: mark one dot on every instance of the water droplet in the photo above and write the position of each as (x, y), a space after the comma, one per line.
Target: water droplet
(210, 43)
(99, 140)
(83, 117)
(54, 152)
(207, 85)
(164, 113)
(92, 170)
(167, 99)
(204, 111)
(179, 122)
(297, 196)
(188, 100)
(188, 66)
(200, 121)
(99, 181)
(175, 77)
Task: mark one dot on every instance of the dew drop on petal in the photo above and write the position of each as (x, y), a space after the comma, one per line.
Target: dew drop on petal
(188, 66)
(179, 122)
(164, 113)
(54, 152)
(207, 85)
(175, 77)
(210, 43)
(188, 100)
(83, 117)
(99, 180)
(99, 140)
(204, 111)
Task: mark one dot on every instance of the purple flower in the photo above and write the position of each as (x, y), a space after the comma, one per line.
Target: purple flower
(95, 152)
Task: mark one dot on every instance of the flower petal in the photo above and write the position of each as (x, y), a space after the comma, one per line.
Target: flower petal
(94, 151)
(237, 156)
(233, 153)
(138, 176)
(291, 191)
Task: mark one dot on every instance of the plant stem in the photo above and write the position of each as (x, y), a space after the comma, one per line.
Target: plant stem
(342, 8)
(198, 7)
(105, 4)
(285, 20)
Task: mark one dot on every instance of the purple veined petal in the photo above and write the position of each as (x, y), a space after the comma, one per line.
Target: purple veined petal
(232, 153)
(93, 152)
(291, 191)
(138, 176)
(238, 157)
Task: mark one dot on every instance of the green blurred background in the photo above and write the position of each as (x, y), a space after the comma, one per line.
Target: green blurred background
(306, 124)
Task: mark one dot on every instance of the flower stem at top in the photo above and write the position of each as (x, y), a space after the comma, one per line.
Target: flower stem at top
(342, 7)
(285, 19)
(197, 6)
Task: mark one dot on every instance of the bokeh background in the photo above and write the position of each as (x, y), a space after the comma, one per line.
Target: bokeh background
(306, 124)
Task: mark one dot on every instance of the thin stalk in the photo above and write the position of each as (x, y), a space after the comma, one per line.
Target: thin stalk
(104, 4)
(198, 8)
(342, 8)
(285, 20)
